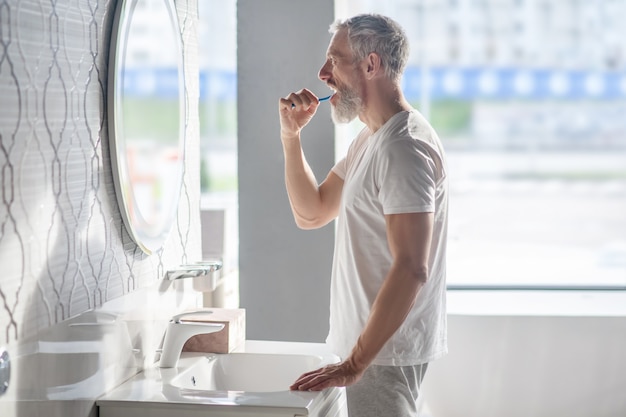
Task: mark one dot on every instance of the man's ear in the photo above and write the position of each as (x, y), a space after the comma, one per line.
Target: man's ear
(373, 65)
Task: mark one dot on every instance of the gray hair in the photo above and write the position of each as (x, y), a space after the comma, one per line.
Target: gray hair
(369, 33)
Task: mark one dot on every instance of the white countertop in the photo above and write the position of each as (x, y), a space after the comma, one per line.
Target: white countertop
(153, 385)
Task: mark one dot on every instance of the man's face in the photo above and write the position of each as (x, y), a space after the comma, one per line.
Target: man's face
(342, 75)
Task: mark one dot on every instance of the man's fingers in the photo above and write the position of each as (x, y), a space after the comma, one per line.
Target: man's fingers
(310, 383)
(319, 379)
(304, 379)
(301, 100)
(318, 383)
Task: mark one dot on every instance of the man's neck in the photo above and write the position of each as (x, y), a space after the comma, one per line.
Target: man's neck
(382, 104)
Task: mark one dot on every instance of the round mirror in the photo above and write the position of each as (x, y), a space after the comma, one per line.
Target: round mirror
(146, 103)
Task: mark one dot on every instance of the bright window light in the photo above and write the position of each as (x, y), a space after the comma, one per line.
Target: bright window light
(529, 98)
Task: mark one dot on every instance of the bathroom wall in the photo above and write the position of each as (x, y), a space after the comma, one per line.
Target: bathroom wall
(531, 354)
(284, 272)
(63, 247)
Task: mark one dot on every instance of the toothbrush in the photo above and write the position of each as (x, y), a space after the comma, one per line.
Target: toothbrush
(320, 99)
(325, 98)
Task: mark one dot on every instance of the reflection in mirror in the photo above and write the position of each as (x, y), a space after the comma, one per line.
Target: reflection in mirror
(146, 118)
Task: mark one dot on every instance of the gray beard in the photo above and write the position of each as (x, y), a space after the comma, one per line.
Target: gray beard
(347, 108)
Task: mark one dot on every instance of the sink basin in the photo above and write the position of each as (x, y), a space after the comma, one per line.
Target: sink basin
(254, 372)
(252, 382)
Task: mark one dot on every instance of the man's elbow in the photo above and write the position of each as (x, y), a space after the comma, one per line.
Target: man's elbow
(306, 224)
(419, 273)
(310, 224)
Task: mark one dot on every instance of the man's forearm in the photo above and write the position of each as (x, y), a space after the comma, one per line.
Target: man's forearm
(301, 184)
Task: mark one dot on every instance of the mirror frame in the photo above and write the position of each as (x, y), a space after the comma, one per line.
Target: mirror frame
(123, 187)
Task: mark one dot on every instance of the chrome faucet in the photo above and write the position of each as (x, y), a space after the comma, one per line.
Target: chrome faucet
(179, 331)
(193, 270)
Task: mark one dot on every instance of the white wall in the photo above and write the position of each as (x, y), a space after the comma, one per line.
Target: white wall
(521, 354)
(284, 272)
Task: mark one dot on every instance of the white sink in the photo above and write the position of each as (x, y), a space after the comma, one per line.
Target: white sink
(253, 382)
(253, 372)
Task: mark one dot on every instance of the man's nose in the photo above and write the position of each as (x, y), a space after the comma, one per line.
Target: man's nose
(324, 73)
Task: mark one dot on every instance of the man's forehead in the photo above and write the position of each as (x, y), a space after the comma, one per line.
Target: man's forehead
(339, 44)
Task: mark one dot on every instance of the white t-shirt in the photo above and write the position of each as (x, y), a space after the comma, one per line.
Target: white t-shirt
(399, 169)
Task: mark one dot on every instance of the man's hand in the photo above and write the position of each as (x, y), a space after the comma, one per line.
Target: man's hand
(336, 375)
(296, 111)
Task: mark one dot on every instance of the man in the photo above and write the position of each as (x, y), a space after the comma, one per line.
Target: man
(389, 194)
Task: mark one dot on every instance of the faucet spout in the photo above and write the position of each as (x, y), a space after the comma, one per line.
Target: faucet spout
(178, 332)
(193, 270)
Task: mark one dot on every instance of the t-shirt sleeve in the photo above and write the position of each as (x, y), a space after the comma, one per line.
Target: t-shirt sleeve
(406, 177)
(340, 168)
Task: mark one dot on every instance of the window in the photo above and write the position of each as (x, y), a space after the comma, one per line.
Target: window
(530, 107)
(217, 54)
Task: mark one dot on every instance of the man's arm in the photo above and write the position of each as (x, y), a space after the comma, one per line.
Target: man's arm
(409, 236)
(313, 205)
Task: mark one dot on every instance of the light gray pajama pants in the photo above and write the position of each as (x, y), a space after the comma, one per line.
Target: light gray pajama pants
(386, 391)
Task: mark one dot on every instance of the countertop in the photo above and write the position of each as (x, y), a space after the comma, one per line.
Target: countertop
(153, 385)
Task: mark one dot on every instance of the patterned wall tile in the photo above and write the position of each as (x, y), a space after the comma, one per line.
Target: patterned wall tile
(63, 247)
